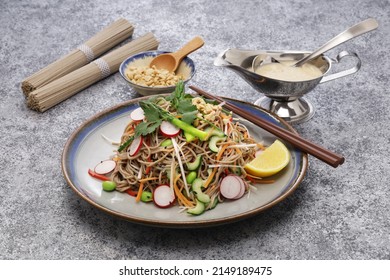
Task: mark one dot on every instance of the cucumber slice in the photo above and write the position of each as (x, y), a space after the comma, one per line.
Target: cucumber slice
(198, 209)
(214, 131)
(195, 164)
(214, 203)
(213, 143)
(196, 187)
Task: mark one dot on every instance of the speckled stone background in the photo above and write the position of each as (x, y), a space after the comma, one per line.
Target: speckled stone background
(338, 213)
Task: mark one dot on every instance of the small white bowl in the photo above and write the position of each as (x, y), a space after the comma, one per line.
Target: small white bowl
(186, 68)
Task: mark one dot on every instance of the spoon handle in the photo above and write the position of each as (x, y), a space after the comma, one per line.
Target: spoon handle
(352, 32)
(196, 43)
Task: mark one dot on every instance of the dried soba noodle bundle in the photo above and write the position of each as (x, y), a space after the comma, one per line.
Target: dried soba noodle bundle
(103, 41)
(65, 87)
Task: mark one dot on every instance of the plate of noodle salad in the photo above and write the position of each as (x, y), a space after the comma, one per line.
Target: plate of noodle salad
(177, 160)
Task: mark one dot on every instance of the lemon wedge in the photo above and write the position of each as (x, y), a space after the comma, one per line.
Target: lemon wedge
(271, 161)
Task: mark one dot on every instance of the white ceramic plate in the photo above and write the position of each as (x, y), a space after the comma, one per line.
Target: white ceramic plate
(86, 147)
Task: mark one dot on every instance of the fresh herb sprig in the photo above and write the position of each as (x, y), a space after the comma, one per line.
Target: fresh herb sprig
(154, 115)
(182, 102)
(153, 121)
(167, 116)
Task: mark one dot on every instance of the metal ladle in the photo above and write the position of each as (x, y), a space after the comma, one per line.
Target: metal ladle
(352, 32)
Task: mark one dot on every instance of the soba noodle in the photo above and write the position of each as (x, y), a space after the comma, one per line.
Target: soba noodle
(161, 164)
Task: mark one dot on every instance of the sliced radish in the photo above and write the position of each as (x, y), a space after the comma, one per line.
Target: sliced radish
(136, 146)
(242, 185)
(163, 196)
(169, 130)
(138, 114)
(230, 187)
(105, 167)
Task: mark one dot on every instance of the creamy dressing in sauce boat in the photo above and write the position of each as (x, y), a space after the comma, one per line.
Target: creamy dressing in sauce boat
(285, 72)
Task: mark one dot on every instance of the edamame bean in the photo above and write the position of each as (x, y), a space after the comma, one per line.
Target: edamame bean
(108, 186)
(146, 196)
(191, 177)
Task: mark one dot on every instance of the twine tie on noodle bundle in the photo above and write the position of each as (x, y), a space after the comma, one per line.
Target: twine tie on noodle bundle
(88, 52)
(103, 66)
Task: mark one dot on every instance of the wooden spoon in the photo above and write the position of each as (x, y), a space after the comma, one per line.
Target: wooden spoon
(171, 61)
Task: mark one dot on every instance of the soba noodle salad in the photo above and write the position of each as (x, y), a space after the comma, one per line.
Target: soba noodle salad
(182, 150)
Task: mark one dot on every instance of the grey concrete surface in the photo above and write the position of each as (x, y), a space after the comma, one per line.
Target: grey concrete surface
(338, 213)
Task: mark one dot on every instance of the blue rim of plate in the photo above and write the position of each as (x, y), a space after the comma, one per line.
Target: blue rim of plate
(75, 140)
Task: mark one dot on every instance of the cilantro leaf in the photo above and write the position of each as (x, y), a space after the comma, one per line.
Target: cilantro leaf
(150, 112)
(189, 117)
(154, 115)
(185, 105)
(146, 128)
(153, 118)
(187, 111)
(177, 95)
(182, 102)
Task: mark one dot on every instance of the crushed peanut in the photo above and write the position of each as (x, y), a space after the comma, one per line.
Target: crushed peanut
(152, 77)
(206, 110)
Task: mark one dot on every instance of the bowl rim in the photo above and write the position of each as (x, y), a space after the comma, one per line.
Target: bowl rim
(190, 64)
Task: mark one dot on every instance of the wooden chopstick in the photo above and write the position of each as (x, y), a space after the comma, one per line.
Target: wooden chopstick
(297, 141)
